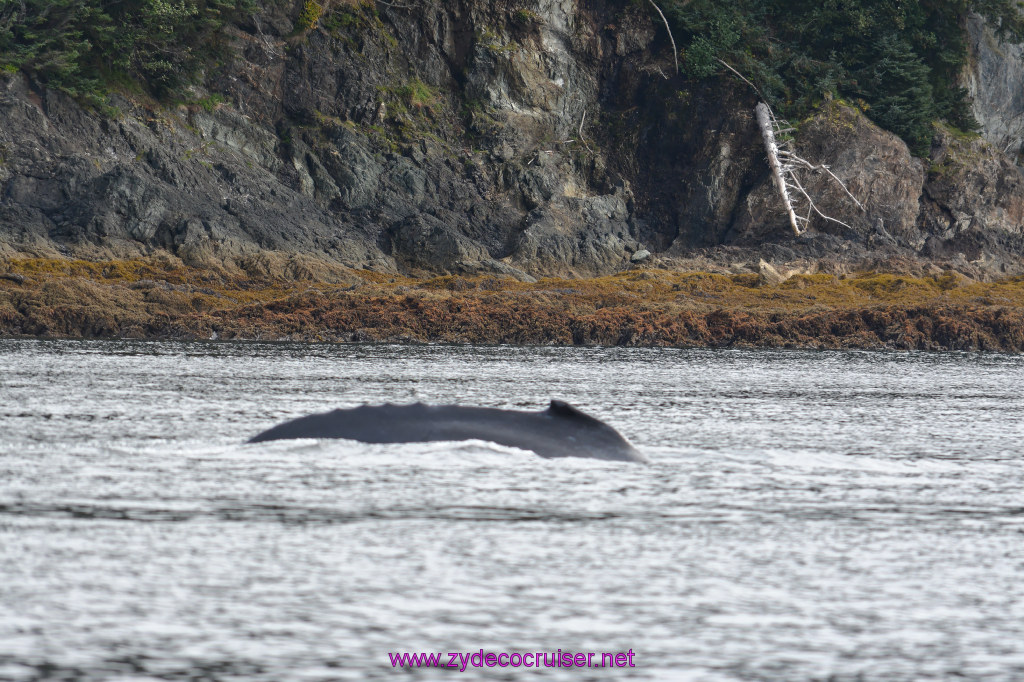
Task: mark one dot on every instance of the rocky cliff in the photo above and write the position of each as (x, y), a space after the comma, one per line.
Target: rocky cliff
(515, 137)
(993, 79)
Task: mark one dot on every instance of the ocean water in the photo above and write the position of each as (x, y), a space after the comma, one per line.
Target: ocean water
(806, 516)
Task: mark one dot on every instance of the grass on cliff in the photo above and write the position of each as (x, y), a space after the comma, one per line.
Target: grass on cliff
(162, 298)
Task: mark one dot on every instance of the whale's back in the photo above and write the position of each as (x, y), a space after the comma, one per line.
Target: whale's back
(559, 431)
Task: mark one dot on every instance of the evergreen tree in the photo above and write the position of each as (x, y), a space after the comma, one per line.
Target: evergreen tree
(897, 86)
(83, 46)
(901, 58)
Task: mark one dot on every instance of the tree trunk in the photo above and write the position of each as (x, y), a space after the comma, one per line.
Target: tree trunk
(764, 121)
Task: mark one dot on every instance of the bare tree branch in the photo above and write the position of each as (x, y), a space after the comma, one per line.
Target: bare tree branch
(742, 78)
(675, 51)
(784, 163)
(803, 163)
(811, 205)
(582, 139)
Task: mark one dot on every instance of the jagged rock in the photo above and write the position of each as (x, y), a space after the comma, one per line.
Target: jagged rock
(768, 274)
(237, 132)
(974, 186)
(424, 242)
(716, 154)
(351, 164)
(974, 203)
(576, 237)
(634, 32)
(151, 180)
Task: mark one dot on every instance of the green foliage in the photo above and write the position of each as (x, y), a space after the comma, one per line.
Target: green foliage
(902, 99)
(900, 58)
(84, 47)
(525, 17)
(211, 102)
(417, 95)
(309, 17)
(341, 20)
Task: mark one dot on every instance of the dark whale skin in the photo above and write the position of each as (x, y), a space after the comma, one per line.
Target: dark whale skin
(559, 431)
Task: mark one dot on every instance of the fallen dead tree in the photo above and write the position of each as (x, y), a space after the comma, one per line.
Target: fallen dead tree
(784, 164)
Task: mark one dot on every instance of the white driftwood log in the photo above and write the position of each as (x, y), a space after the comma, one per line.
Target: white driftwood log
(765, 122)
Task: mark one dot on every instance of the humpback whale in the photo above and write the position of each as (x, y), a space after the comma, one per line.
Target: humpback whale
(559, 431)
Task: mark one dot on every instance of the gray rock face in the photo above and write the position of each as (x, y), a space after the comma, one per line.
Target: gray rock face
(79, 183)
(994, 79)
(576, 236)
(428, 244)
(533, 138)
(974, 203)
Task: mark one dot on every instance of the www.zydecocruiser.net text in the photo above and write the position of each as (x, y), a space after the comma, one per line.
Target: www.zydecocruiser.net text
(462, 661)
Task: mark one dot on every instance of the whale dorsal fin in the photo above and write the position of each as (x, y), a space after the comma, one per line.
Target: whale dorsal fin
(560, 408)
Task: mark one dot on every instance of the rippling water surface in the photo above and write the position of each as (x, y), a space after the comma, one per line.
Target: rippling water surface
(806, 516)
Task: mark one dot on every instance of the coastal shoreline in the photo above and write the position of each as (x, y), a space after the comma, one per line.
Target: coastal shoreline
(159, 298)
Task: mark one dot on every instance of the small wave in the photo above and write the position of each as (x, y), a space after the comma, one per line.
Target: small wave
(883, 464)
(295, 515)
(461, 454)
